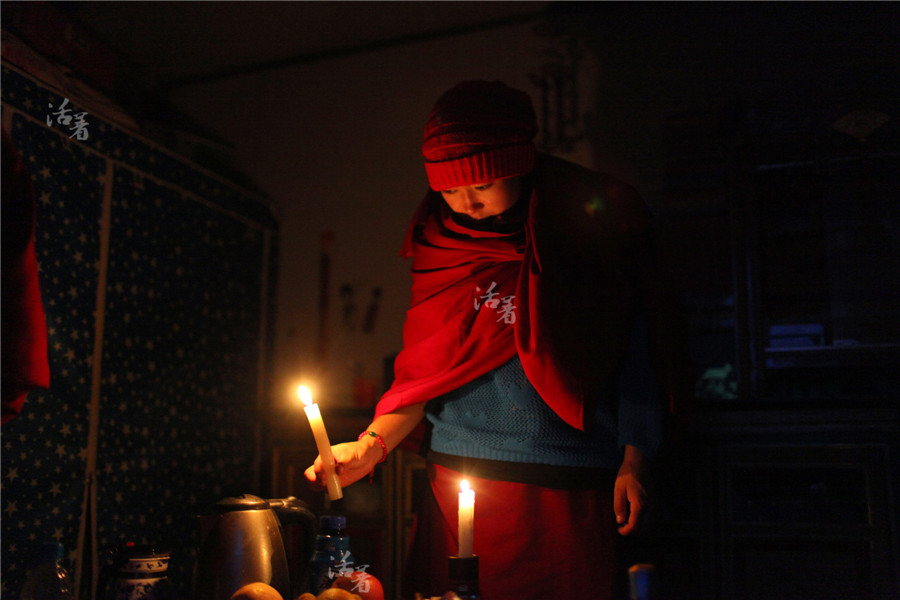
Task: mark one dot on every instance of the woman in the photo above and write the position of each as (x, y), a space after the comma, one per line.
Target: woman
(537, 327)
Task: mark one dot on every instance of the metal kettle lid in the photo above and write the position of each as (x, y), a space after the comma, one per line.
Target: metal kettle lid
(242, 502)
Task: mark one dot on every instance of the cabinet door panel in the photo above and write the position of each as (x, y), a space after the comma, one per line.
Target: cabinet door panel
(810, 569)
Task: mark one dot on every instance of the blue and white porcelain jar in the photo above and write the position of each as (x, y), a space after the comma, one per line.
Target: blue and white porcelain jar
(136, 573)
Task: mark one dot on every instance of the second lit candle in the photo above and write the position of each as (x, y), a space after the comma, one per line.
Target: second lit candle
(466, 519)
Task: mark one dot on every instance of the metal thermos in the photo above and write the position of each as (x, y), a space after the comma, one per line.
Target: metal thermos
(242, 543)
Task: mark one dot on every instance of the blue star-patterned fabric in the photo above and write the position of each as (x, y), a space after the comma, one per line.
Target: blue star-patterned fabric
(44, 448)
(173, 309)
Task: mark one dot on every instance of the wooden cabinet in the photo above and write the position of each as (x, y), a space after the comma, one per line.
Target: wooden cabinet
(781, 225)
(804, 509)
(782, 228)
(823, 267)
(412, 482)
(805, 521)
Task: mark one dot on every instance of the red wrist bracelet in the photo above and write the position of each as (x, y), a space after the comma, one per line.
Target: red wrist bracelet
(384, 451)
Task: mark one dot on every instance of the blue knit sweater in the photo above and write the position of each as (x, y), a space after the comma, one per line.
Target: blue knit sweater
(500, 416)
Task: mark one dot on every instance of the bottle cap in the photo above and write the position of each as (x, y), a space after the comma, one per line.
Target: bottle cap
(333, 522)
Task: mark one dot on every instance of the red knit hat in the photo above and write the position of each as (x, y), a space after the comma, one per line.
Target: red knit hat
(479, 131)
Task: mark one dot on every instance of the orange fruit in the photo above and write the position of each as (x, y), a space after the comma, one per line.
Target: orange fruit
(256, 591)
(334, 593)
(363, 584)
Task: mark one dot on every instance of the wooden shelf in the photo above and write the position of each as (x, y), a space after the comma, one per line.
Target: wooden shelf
(821, 356)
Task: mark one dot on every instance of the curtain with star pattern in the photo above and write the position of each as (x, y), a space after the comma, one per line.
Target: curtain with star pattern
(155, 278)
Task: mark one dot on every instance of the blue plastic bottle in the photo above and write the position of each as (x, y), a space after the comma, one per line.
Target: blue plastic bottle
(332, 557)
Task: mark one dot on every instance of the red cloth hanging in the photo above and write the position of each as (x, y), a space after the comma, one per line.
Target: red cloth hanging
(25, 364)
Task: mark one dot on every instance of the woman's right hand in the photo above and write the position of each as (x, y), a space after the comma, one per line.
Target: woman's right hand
(352, 462)
(355, 460)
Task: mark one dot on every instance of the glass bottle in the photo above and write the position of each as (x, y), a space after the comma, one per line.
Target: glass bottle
(48, 579)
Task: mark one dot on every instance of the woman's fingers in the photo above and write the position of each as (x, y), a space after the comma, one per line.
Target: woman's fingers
(349, 465)
(313, 478)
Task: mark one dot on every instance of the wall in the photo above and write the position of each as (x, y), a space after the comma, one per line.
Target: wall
(337, 145)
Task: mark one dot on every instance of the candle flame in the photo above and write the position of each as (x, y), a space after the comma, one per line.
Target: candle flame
(305, 395)
(464, 485)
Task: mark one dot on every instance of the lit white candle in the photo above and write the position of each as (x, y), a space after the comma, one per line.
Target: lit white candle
(466, 519)
(322, 443)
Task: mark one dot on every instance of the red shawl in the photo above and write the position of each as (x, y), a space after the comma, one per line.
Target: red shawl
(577, 275)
